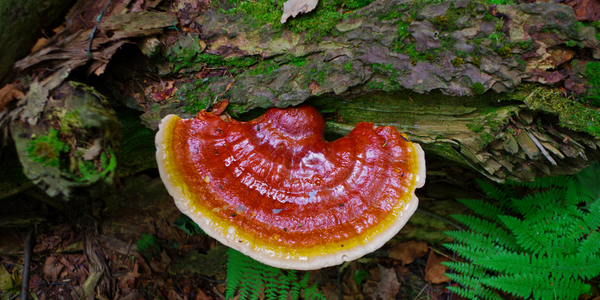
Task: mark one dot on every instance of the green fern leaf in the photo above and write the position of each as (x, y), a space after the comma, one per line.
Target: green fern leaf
(590, 244)
(499, 193)
(488, 228)
(543, 249)
(250, 278)
(483, 208)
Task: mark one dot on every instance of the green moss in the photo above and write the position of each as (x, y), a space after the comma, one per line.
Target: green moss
(476, 128)
(264, 67)
(195, 96)
(88, 171)
(47, 149)
(572, 114)
(478, 88)
(71, 121)
(298, 61)
(505, 51)
(457, 62)
(592, 73)
(447, 21)
(316, 24)
(477, 62)
(348, 67)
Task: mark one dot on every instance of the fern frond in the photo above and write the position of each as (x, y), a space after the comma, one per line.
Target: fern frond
(488, 228)
(592, 219)
(539, 202)
(483, 293)
(544, 251)
(539, 287)
(499, 193)
(312, 293)
(590, 244)
(483, 208)
(471, 278)
(250, 278)
(544, 182)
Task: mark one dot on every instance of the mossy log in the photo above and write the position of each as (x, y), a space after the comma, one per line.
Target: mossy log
(420, 67)
(449, 74)
(510, 136)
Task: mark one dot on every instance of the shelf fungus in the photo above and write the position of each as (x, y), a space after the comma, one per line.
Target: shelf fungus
(275, 190)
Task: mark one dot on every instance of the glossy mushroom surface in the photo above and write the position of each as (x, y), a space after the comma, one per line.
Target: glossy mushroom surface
(275, 190)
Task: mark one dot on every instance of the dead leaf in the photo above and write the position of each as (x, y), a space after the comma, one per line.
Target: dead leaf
(292, 8)
(228, 87)
(407, 252)
(172, 295)
(8, 93)
(98, 71)
(41, 42)
(314, 87)
(200, 295)
(387, 287)
(94, 150)
(434, 271)
(219, 108)
(52, 268)
(129, 279)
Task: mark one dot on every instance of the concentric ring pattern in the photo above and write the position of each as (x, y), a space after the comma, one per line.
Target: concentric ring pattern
(275, 190)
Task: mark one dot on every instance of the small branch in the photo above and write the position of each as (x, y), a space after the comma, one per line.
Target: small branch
(25, 284)
(89, 49)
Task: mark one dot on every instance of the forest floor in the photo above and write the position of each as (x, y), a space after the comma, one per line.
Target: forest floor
(134, 244)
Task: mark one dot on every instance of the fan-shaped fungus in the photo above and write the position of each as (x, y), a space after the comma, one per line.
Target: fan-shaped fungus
(275, 190)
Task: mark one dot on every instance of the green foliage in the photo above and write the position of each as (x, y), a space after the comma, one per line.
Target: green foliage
(592, 73)
(360, 276)
(148, 246)
(46, 149)
(249, 278)
(457, 62)
(478, 88)
(505, 51)
(315, 24)
(188, 226)
(541, 245)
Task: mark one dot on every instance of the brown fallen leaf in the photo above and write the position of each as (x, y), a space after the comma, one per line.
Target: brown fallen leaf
(292, 8)
(228, 86)
(407, 252)
(41, 42)
(220, 107)
(52, 268)
(434, 271)
(201, 295)
(8, 93)
(386, 288)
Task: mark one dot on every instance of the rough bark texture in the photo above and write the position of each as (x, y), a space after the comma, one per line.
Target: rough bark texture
(459, 48)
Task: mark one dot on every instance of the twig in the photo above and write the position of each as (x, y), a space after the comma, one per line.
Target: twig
(421, 291)
(216, 291)
(74, 290)
(89, 49)
(25, 284)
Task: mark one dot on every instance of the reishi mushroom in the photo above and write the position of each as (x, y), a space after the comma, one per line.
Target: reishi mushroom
(275, 190)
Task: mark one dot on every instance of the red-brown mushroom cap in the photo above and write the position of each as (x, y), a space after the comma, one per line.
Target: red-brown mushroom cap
(275, 190)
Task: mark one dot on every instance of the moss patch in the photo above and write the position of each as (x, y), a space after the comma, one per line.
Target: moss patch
(572, 114)
(316, 24)
(47, 149)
